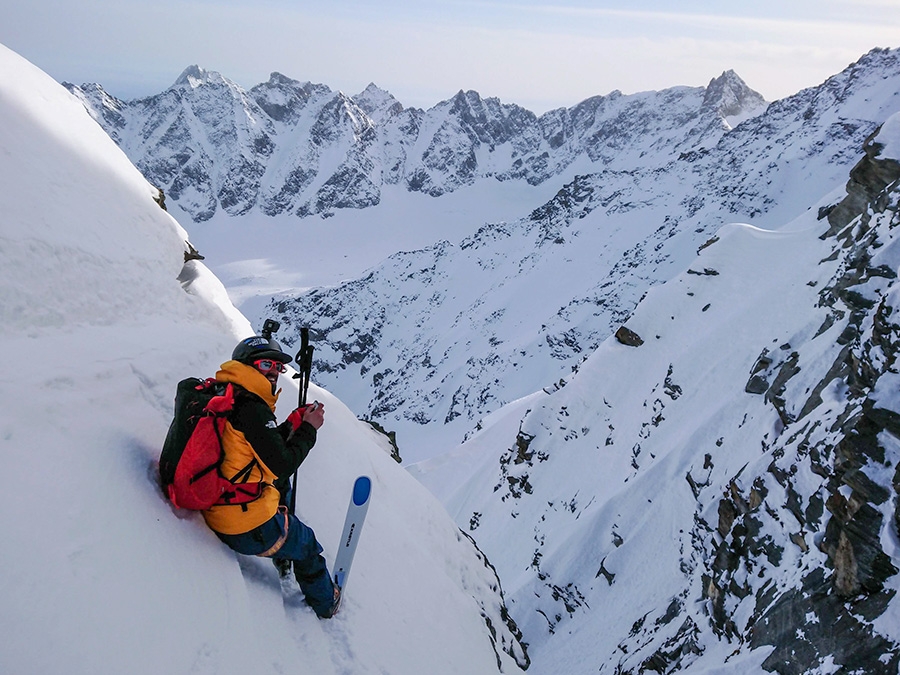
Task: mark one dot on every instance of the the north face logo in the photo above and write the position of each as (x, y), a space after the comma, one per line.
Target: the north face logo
(256, 341)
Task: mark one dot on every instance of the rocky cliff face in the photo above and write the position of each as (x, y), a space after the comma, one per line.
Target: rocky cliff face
(834, 471)
(292, 147)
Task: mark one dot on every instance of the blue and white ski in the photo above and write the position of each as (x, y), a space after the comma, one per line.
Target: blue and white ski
(356, 516)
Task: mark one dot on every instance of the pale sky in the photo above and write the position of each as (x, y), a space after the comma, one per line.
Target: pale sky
(540, 54)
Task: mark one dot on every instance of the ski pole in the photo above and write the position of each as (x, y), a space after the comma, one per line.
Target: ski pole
(304, 371)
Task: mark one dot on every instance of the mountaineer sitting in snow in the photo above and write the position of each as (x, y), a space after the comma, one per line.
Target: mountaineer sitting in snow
(248, 514)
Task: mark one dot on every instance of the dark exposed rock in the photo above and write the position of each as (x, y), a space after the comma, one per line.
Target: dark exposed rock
(628, 337)
(839, 631)
(511, 641)
(192, 253)
(391, 437)
(160, 199)
(757, 384)
(775, 393)
(852, 536)
(867, 187)
(676, 651)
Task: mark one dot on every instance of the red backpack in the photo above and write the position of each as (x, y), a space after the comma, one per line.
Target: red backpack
(190, 465)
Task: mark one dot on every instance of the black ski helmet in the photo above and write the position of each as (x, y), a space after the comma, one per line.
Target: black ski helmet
(258, 347)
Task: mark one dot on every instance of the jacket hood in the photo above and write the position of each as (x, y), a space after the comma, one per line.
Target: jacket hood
(250, 379)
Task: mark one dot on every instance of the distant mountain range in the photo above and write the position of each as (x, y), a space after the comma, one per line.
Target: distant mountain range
(292, 147)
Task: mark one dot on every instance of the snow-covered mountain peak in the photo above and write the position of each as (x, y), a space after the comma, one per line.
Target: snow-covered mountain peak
(96, 91)
(377, 102)
(465, 99)
(284, 99)
(194, 76)
(276, 78)
(105, 108)
(730, 96)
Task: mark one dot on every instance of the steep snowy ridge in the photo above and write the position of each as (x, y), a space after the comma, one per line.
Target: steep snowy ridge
(430, 341)
(715, 492)
(100, 316)
(331, 151)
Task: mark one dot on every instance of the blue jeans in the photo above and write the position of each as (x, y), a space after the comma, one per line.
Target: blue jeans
(300, 547)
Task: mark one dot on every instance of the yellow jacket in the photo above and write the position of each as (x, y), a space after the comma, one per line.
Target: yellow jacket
(254, 415)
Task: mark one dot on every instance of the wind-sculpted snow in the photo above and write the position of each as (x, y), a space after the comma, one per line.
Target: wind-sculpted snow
(722, 497)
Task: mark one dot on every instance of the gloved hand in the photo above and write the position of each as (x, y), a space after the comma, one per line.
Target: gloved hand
(314, 413)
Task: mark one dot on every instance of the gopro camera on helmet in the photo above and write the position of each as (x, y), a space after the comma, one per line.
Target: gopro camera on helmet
(269, 328)
(262, 346)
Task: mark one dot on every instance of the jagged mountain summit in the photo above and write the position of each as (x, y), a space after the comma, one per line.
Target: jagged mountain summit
(732, 99)
(291, 147)
(716, 489)
(432, 340)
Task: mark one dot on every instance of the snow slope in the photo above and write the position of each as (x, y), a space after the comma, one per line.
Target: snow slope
(100, 574)
(605, 504)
